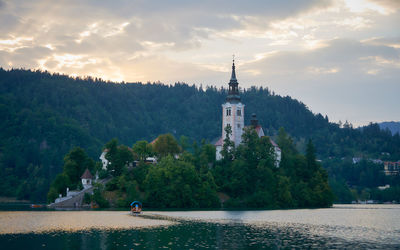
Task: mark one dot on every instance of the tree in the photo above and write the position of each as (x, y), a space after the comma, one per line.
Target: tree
(285, 142)
(183, 142)
(142, 149)
(122, 159)
(310, 156)
(58, 186)
(118, 157)
(112, 150)
(75, 163)
(228, 147)
(166, 145)
(176, 184)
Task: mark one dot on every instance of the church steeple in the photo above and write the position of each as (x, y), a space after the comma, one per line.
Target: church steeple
(233, 93)
(233, 76)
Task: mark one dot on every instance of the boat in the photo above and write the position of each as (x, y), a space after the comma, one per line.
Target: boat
(36, 206)
(136, 207)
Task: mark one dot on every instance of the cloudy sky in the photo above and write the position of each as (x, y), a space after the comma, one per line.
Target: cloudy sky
(340, 57)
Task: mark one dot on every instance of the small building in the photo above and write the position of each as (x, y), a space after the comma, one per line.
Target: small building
(384, 187)
(87, 179)
(391, 167)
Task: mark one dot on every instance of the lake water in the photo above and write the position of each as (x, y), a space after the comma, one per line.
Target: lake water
(343, 226)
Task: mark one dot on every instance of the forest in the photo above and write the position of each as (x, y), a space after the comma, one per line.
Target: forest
(190, 177)
(46, 115)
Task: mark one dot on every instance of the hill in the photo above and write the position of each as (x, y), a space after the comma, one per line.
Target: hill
(394, 127)
(45, 115)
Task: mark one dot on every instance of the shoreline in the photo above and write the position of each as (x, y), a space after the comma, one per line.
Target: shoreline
(19, 222)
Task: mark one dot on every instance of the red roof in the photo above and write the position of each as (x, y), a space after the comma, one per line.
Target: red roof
(87, 175)
(154, 141)
(274, 144)
(258, 130)
(219, 142)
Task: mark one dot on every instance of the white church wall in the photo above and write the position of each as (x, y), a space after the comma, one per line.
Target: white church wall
(231, 117)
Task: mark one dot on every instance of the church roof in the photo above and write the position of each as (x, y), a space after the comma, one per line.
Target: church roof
(87, 175)
(259, 131)
(153, 141)
(260, 134)
(219, 142)
(274, 144)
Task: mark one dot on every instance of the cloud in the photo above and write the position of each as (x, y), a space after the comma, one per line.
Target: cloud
(299, 47)
(341, 79)
(389, 4)
(117, 32)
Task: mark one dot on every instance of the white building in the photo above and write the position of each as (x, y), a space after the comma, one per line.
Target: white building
(233, 116)
(87, 179)
(103, 159)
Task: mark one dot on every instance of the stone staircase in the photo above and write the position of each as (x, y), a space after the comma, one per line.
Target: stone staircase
(76, 200)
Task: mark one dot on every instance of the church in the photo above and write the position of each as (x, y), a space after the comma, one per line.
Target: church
(233, 116)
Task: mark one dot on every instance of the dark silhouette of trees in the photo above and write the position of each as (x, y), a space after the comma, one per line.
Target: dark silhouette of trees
(46, 115)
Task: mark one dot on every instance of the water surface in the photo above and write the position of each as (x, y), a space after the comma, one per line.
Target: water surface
(340, 227)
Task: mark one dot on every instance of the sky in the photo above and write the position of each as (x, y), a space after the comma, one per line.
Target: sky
(339, 57)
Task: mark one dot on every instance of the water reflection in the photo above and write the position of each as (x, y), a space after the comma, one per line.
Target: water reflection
(335, 228)
(189, 235)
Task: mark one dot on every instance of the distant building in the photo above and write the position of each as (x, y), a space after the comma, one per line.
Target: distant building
(87, 179)
(356, 160)
(233, 116)
(384, 187)
(391, 167)
(103, 159)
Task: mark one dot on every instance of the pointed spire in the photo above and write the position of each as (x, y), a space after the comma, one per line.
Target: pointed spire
(233, 76)
(233, 92)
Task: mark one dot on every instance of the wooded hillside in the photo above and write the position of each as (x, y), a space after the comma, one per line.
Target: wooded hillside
(44, 116)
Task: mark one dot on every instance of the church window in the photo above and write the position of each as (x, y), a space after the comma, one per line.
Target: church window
(238, 125)
(228, 112)
(239, 112)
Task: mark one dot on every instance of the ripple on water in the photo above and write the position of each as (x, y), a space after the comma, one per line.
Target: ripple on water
(258, 229)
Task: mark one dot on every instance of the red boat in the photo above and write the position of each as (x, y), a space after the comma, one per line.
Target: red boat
(36, 206)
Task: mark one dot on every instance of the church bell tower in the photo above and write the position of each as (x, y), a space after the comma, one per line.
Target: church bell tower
(233, 111)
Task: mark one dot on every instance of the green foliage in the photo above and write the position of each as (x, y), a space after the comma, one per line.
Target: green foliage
(359, 181)
(98, 196)
(142, 150)
(75, 164)
(252, 180)
(119, 157)
(166, 145)
(176, 184)
(87, 198)
(45, 115)
(228, 147)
